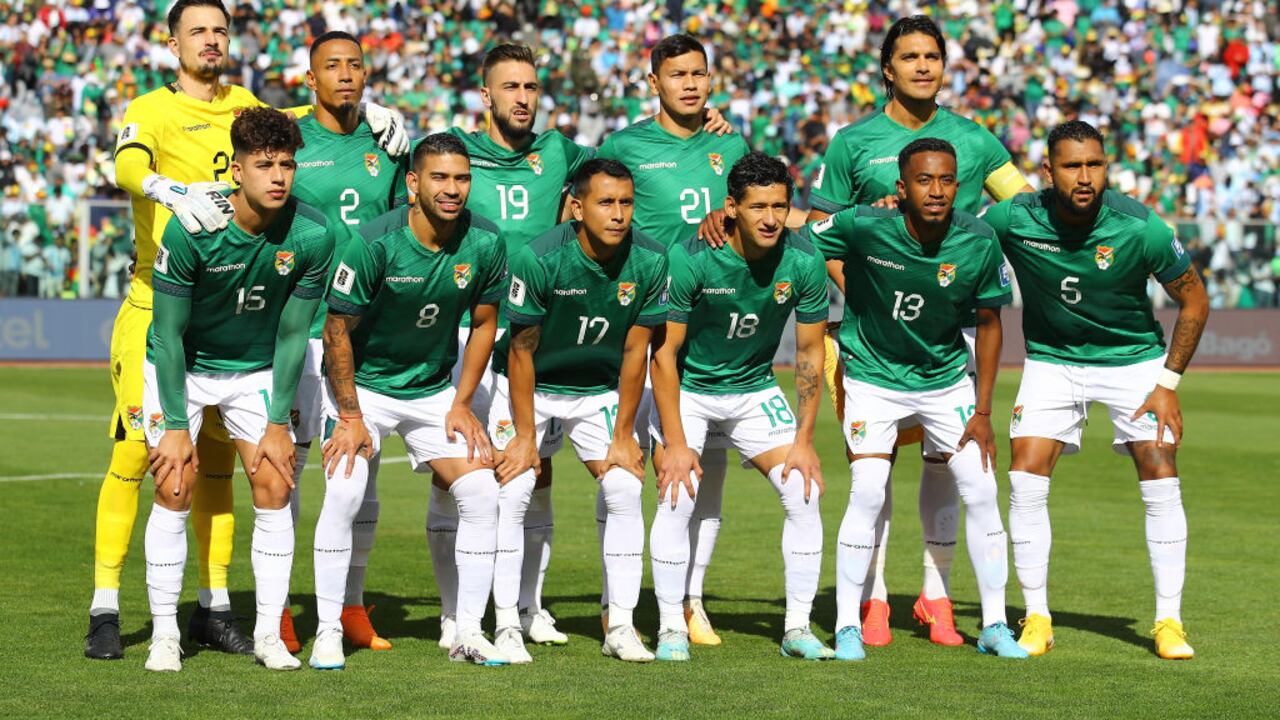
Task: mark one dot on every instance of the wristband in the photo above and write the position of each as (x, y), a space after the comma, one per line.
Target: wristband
(1169, 379)
(984, 413)
(351, 417)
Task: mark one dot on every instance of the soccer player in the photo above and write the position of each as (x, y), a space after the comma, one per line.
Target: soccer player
(681, 173)
(345, 174)
(173, 155)
(1082, 254)
(230, 331)
(912, 275)
(583, 301)
(397, 297)
(727, 308)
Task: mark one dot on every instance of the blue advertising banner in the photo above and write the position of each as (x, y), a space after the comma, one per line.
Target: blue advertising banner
(33, 329)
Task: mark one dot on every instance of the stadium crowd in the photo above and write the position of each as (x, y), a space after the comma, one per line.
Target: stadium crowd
(1186, 90)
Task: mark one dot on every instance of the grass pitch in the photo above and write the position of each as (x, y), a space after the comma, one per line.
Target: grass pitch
(53, 422)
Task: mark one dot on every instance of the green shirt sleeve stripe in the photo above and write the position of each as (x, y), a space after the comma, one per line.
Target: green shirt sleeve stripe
(305, 292)
(997, 301)
(826, 206)
(1174, 271)
(169, 288)
(678, 316)
(811, 317)
(344, 307)
(519, 318)
(653, 320)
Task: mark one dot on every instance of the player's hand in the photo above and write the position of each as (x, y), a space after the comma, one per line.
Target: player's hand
(276, 447)
(712, 230)
(349, 439)
(888, 202)
(200, 207)
(978, 429)
(170, 457)
(624, 452)
(1163, 403)
(521, 454)
(388, 128)
(715, 122)
(460, 419)
(678, 464)
(804, 458)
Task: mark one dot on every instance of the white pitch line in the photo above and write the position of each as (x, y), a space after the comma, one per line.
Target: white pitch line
(401, 460)
(73, 418)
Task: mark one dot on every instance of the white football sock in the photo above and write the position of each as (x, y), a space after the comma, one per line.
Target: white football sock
(623, 542)
(704, 527)
(165, 547)
(856, 540)
(513, 501)
(1166, 542)
(295, 495)
(539, 526)
(363, 529)
(105, 601)
(272, 553)
(875, 588)
(442, 530)
(984, 532)
(217, 599)
(801, 546)
(940, 519)
(669, 555)
(476, 495)
(1030, 533)
(602, 513)
(332, 547)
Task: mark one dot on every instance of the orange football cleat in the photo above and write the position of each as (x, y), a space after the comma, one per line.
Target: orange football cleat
(287, 635)
(875, 623)
(357, 629)
(938, 616)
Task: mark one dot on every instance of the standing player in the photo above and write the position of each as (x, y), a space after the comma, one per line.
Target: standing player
(584, 299)
(713, 366)
(230, 330)
(681, 174)
(1082, 254)
(390, 343)
(913, 274)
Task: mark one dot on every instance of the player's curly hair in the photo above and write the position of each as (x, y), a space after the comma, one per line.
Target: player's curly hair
(756, 169)
(263, 128)
(911, 25)
(175, 12)
(1077, 130)
(594, 167)
(922, 145)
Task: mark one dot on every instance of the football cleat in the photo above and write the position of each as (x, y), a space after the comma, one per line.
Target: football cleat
(357, 628)
(1171, 640)
(510, 643)
(218, 630)
(1037, 634)
(540, 628)
(875, 623)
(938, 616)
(802, 643)
(273, 655)
(448, 632)
(326, 652)
(849, 644)
(103, 640)
(165, 654)
(997, 639)
(287, 635)
(623, 643)
(673, 646)
(476, 650)
(700, 630)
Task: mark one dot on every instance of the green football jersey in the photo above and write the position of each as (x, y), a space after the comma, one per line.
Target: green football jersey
(907, 302)
(678, 181)
(736, 310)
(238, 284)
(585, 309)
(348, 178)
(409, 299)
(861, 163)
(1084, 291)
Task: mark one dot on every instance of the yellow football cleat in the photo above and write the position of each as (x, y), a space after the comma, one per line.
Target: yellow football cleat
(700, 630)
(1037, 634)
(1171, 640)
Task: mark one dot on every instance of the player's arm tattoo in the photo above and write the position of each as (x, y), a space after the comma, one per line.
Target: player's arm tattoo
(810, 348)
(1193, 312)
(527, 339)
(339, 362)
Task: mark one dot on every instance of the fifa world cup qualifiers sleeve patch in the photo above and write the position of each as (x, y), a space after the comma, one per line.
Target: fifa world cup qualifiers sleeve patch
(162, 260)
(344, 278)
(517, 294)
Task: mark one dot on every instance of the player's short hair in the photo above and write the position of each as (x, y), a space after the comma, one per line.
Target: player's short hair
(1077, 130)
(756, 169)
(910, 25)
(438, 144)
(264, 129)
(598, 166)
(922, 145)
(507, 52)
(334, 35)
(673, 46)
(175, 12)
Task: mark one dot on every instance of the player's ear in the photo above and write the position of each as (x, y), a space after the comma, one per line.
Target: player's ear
(730, 207)
(653, 83)
(1047, 169)
(901, 187)
(485, 98)
(411, 183)
(237, 173)
(575, 207)
(173, 45)
(311, 81)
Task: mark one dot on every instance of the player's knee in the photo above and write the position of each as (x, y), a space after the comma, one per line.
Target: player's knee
(622, 492)
(793, 502)
(1152, 462)
(476, 496)
(513, 499)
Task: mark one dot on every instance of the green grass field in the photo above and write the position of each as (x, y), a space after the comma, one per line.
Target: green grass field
(53, 424)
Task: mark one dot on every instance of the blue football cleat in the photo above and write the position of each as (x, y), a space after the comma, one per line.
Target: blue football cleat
(997, 639)
(673, 646)
(849, 644)
(802, 643)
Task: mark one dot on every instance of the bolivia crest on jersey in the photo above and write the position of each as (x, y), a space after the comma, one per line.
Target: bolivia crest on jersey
(462, 275)
(1016, 417)
(782, 291)
(717, 162)
(372, 164)
(857, 431)
(946, 274)
(626, 293)
(157, 421)
(535, 162)
(135, 416)
(505, 432)
(1104, 256)
(284, 262)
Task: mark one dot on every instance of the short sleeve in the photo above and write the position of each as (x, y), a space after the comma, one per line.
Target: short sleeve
(319, 257)
(994, 287)
(684, 286)
(174, 272)
(833, 188)
(527, 293)
(812, 304)
(997, 216)
(832, 235)
(142, 129)
(575, 156)
(492, 287)
(654, 311)
(1165, 257)
(994, 155)
(356, 279)
(608, 150)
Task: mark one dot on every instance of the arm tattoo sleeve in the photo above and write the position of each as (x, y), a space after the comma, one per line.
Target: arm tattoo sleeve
(339, 362)
(1186, 289)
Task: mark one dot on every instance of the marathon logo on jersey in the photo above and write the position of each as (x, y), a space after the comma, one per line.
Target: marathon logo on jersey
(344, 278)
(1016, 418)
(162, 260)
(1104, 256)
(857, 431)
(372, 164)
(284, 262)
(157, 422)
(626, 293)
(535, 162)
(134, 413)
(946, 274)
(504, 433)
(516, 296)
(462, 275)
(782, 291)
(717, 162)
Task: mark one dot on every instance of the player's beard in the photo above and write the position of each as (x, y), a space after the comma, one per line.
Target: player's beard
(1068, 204)
(206, 72)
(512, 132)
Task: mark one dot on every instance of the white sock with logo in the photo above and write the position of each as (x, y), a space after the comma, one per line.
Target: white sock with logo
(1031, 536)
(984, 531)
(669, 554)
(539, 527)
(331, 550)
(855, 543)
(476, 495)
(442, 531)
(513, 501)
(623, 543)
(874, 588)
(272, 552)
(704, 526)
(1166, 543)
(801, 546)
(940, 519)
(165, 548)
(363, 529)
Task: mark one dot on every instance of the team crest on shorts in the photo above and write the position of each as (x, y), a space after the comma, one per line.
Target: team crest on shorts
(857, 431)
(462, 275)
(157, 422)
(626, 293)
(946, 274)
(1016, 417)
(295, 418)
(1104, 256)
(782, 292)
(284, 262)
(134, 413)
(717, 162)
(372, 164)
(505, 432)
(535, 162)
